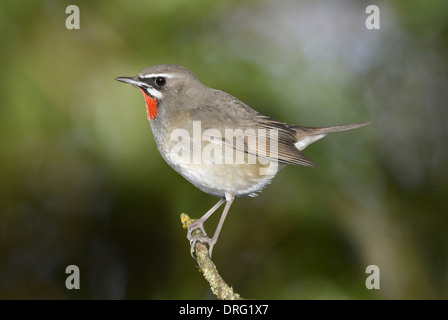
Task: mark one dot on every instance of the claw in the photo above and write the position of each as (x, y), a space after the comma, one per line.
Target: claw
(210, 241)
(192, 244)
(198, 224)
(201, 236)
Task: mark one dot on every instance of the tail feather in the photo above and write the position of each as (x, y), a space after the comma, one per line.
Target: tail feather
(308, 135)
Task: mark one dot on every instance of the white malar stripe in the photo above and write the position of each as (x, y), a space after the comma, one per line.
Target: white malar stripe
(305, 142)
(153, 92)
(155, 75)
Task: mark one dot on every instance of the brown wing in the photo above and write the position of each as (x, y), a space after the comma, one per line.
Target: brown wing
(286, 137)
(246, 130)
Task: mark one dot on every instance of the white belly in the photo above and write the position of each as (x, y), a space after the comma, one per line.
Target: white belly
(217, 175)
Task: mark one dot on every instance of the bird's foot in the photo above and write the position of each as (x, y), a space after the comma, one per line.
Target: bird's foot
(195, 225)
(200, 236)
(210, 241)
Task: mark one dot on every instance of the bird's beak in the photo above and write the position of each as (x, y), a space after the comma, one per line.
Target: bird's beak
(131, 81)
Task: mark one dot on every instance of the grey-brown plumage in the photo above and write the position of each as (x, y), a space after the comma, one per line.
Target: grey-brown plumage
(240, 149)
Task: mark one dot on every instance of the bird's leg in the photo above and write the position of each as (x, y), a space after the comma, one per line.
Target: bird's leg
(199, 224)
(212, 241)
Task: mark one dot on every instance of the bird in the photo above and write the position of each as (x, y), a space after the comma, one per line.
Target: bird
(217, 142)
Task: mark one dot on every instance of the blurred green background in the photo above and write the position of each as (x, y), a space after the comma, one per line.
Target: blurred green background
(81, 180)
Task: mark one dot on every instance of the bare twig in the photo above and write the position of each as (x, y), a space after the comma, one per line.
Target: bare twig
(208, 268)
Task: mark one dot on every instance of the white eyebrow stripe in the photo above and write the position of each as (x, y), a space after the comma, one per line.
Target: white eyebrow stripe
(155, 75)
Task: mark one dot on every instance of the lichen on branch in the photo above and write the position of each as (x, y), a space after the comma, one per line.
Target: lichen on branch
(207, 267)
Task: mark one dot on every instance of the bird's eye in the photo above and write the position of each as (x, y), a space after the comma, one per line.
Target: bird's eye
(160, 81)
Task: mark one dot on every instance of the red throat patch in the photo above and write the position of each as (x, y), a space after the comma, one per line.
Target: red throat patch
(151, 105)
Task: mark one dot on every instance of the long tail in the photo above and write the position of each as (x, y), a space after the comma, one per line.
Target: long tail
(308, 135)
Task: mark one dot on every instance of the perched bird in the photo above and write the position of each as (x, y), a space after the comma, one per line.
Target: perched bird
(217, 142)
